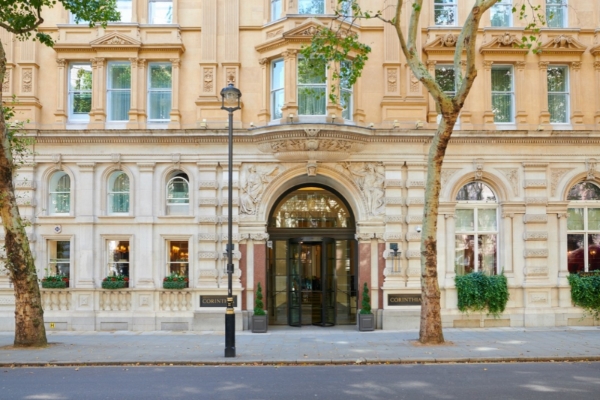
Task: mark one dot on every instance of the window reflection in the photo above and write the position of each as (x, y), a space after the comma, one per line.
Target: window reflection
(584, 191)
(475, 191)
(583, 225)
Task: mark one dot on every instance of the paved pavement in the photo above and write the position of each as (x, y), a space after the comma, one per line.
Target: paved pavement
(310, 345)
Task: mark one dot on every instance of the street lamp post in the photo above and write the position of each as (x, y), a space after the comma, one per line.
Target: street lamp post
(230, 102)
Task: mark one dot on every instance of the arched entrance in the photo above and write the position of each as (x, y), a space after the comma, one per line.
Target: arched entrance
(312, 259)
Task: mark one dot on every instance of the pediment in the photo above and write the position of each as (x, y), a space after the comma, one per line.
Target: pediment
(595, 51)
(116, 40)
(506, 43)
(278, 36)
(563, 44)
(445, 43)
(305, 30)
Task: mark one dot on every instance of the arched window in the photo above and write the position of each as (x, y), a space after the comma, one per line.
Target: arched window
(60, 193)
(118, 193)
(178, 194)
(583, 227)
(476, 238)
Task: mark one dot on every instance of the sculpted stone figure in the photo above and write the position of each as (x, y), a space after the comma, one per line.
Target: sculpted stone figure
(370, 178)
(252, 184)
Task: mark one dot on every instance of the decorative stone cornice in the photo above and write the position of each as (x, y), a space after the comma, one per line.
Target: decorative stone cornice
(539, 200)
(413, 236)
(207, 201)
(394, 183)
(389, 236)
(208, 255)
(535, 183)
(414, 218)
(411, 184)
(208, 219)
(505, 43)
(208, 185)
(364, 236)
(415, 201)
(207, 237)
(393, 219)
(25, 184)
(259, 237)
(535, 235)
(535, 253)
(413, 255)
(561, 45)
(536, 271)
(394, 201)
(535, 218)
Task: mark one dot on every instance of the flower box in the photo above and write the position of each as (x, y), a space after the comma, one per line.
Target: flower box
(115, 282)
(174, 285)
(55, 282)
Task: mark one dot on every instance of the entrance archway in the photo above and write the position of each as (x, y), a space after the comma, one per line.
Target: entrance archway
(312, 259)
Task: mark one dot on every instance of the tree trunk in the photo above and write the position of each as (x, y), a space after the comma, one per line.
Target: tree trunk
(29, 315)
(431, 319)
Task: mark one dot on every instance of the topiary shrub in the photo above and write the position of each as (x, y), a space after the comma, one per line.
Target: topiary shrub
(258, 303)
(585, 292)
(365, 305)
(480, 292)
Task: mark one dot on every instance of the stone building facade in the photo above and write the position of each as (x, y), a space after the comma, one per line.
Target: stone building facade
(128, 175)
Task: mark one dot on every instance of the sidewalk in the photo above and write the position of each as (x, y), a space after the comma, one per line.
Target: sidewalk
(311, 345)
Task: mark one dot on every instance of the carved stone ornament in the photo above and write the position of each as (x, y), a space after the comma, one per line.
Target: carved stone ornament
(208, 80)
(311, 168)
(392, 78)
(27, 80)
(254, 178)
(115, 40)
(312, 144)
(563, 44)
(6, 82)
(414, 83)
(555, 177)
(370, 178)
(512, 175)
(447, 174)
(590, 166)
(478, 165)
(449, 40)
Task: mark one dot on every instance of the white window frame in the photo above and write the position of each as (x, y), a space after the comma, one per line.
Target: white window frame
(52, 192)
(158, 90)
(446, 6)
(310, 1)
(565, 93)
(510, 93)
(504, 7)
(169, 263)
(585, 205)
(170, 206)
(71, 93)
(348, 111)
(562, 5)
(128, 14)
(110, 89)
(316, 85)
(275, 9)
(151, 11)
(275, 90)
(112, 267)
(51, 247)
(110, 192)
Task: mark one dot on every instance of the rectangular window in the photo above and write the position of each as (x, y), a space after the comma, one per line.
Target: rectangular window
(583, 239)
(277, 88)
(503, 94)
(80, 91)
(73, 20)
(178, 257)
(444, 76)
(160, 11)
(558, 94)
(159, 92)
(346, 96)
(311, 7)
(118, 91)
(445, 12)
(312, 78)
(124, 8)
(501, 13)
(59, 257)
(275, 9)
(476, 240)
(118, 257)
(556, 13)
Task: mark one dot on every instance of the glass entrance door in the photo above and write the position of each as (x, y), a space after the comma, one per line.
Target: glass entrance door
(311, 278)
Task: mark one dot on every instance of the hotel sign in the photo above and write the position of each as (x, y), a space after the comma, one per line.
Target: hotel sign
(216, 301)
(404, 299)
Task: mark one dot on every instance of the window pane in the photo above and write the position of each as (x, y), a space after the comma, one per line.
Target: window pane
(465, 220)
(445, 12)
(119, 76)
(119, 202)
(444, 76)
(119, 105)
(311, 71)
(160, 105)
(487, 254)
(80, 77)
(575, 253)
(464, 261)
(277, 75)
(59, 260)
(178, 258)
(502, 107)
(556, 13)
(558, 107)
(311, 100)
(160, 76)
(575, 219)
(593, 252)
(502, 79)
(557, 79)
(178, 191)
(584, 191)
(82, 103)
(275, 9)
(346, 103)
(161, 12)
(593, 219)
(476, 191)
(311, 6)
(278, 99)
(118, 257)
(124, 7)
(501, 13)
(486, 219)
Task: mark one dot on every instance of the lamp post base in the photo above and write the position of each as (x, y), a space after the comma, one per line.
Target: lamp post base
(230, 334)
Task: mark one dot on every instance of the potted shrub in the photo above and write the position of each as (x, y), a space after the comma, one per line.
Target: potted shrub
(115, 282)
(366, 319)
(259, 319)
(175, 281)
(480, 292)
(585, 292)
(55, 282)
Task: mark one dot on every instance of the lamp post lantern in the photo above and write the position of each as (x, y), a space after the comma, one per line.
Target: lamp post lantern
(230, 102)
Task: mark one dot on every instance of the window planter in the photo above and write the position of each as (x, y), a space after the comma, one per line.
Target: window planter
(480, 292)
(175, 285)
(115, 282)
(55, 284)
(585, 292)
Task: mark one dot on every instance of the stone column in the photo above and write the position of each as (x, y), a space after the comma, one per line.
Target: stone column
(175, 114)
(521, 117)
(544, 117)
(364, 263)
(291, 75)
(84, 243)
(488, 113)
(133, 107)
(575, 97)
(209, 255)
(264, 115)
(450, 255)
(98, 113)
(433, 112)
(145, 261)
(564, 298)
(61, 114)
(597, 113)
(141, 93)
(257, 272)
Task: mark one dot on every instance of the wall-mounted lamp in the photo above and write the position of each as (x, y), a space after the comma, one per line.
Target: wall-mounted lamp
(540, 127)
(396, 124)
(291, 118)
(418, 228)
(251, 124)
(333, 117)
(394, 250)
(203, 124)
(419, 125)
(371, 125)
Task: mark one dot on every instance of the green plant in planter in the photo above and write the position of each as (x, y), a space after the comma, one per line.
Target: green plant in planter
(115, 282)
(585, 292)
(55, 282)
(365, 305)
(480, 292)
(258, 303)
(175, 281)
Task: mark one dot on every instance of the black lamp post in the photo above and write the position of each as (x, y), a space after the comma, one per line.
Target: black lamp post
(230, 101)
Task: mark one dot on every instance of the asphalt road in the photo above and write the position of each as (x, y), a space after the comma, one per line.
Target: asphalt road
(546, 381)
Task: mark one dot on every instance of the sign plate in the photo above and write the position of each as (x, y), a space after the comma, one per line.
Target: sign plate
(404, 299)
(216, 301)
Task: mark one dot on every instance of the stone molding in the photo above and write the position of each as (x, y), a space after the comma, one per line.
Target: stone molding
(413, 236)
(535, 218)
(208, 219)
(394, 183)
(207, 201)
(413, 255)
(207, 237)
(535, 235)
(535, 253)
(539, 200)
(414, 218)
(393, 219)
(411, 184)
(389, 236)
(208, 185)
(394, 201)
(208, 255)
(414, 201)
(535, 183)
(25, 184)
(536, 271)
